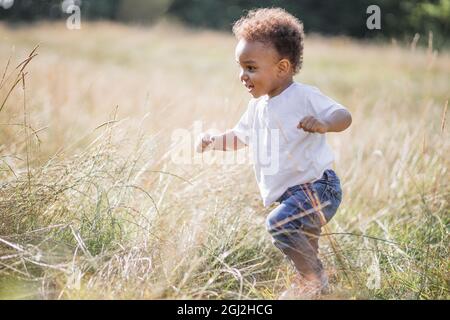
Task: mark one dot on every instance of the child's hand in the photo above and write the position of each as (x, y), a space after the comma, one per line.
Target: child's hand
(204, 143)
(311, 124)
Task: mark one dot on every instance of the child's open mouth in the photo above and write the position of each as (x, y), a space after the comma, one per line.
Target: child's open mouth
(249, 87)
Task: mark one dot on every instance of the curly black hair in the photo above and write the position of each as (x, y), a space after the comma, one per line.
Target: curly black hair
(277, 27)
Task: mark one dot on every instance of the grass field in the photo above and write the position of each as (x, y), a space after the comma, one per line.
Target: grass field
(92, 207)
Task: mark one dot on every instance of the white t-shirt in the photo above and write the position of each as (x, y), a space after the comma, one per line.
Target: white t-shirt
(283, 155)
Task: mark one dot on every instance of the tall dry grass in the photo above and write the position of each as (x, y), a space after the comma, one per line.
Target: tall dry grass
(91, 206)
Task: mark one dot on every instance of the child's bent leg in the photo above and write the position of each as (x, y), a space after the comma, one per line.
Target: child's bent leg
(295, 224)
(298, 243)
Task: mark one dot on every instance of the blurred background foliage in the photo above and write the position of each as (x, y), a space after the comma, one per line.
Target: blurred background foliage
(400, 19)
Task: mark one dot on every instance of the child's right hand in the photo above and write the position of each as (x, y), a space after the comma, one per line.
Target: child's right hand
(204, 143)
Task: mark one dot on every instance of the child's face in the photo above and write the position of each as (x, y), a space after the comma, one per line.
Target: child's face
(259, 70)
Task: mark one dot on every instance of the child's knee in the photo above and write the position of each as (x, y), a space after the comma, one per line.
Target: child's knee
(277, 220)
(271, 221)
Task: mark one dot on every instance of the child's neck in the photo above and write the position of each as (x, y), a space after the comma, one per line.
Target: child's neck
(283, 85)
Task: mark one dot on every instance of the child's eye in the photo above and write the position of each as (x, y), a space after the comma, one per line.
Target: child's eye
(251, 69)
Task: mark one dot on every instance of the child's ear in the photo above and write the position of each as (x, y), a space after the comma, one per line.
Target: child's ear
(284, 65)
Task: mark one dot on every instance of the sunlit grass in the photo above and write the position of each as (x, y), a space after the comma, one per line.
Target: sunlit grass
(91, 206)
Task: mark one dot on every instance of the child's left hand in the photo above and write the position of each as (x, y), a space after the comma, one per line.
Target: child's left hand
(311, 124)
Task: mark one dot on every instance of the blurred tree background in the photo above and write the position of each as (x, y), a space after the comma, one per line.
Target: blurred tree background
(400, 19)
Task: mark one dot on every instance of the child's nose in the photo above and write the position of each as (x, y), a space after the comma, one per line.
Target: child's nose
(243, 76)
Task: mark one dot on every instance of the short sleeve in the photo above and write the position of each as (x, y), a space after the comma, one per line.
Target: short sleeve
(243, 129)
(322, 106)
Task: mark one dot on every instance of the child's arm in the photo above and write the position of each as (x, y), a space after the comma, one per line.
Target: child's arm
(338, 121)
(224, 142)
